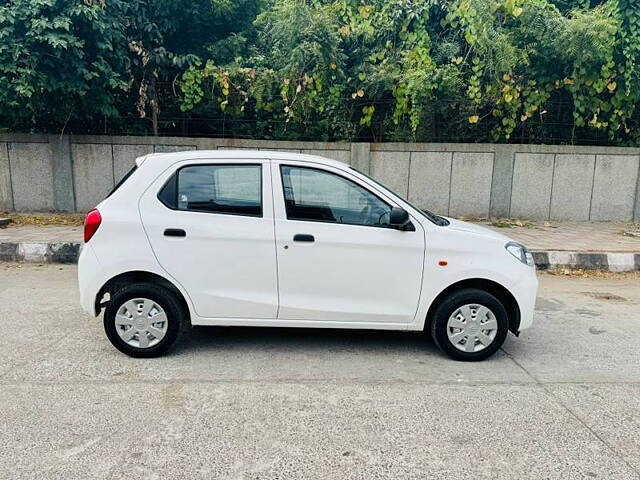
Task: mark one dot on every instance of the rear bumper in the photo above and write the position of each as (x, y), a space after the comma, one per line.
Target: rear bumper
(525, 292)
(89, 279)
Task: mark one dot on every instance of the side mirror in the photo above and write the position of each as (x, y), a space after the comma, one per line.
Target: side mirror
(399, 219)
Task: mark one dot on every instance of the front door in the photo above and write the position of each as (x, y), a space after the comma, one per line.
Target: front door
(338, 260)
(211, 229)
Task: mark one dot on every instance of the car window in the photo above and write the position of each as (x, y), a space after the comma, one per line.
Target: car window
(123, 179)
(321, 196)
(230, 189)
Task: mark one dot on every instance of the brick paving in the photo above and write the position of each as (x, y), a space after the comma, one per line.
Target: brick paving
(561, 236)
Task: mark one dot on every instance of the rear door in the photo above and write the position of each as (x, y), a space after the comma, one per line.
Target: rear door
(210, 224)
(338, 260)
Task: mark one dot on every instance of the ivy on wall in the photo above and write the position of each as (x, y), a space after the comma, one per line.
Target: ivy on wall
(399, 69)
(538, 71)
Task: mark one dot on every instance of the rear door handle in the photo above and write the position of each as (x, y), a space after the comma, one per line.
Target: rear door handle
(303, 237)
(175, 232)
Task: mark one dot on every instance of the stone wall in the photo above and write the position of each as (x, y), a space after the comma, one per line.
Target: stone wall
(538, 182)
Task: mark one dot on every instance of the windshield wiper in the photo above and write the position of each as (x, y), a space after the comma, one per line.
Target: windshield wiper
(437, 219)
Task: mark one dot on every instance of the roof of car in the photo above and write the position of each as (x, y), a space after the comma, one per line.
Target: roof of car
(173, 157)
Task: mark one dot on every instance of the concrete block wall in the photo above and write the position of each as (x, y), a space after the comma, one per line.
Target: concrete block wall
(535, 182)
(538, 182)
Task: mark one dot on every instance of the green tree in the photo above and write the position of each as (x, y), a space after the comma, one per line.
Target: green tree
(290, 81)
(485, 70)
(73, 63)
(60, 61)
(562, 71)
(165, 37)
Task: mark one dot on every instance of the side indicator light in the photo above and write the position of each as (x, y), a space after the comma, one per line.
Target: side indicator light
(443, 263)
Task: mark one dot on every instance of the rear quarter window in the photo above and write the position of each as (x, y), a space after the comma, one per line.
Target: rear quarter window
(227, 189)
(122, 180)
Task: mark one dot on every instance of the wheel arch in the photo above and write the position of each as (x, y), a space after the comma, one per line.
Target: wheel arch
(138, 276)
(494, 288)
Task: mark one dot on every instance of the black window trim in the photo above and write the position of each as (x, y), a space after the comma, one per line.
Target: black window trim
(284, 197)
(124, 178)
(226, 164)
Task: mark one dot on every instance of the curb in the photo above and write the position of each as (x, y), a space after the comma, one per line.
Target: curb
(55, 252)
(608, 262)
(68, 252)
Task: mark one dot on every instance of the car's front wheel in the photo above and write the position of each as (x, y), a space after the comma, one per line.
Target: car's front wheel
(470, 325)
(143, 320)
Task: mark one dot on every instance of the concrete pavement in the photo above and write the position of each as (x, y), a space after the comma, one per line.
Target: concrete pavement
(560, 402)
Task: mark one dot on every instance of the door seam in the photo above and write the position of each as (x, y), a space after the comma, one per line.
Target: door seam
(275, 238)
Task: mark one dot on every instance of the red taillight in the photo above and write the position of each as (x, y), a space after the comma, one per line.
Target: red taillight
(91, 224)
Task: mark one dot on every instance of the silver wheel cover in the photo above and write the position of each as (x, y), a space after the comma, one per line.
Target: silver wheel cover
(472, 328)
(141, 323)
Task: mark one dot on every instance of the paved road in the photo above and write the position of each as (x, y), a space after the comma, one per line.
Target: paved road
(562, 401)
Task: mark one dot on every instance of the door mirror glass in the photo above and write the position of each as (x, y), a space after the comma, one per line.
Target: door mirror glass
(399, 218)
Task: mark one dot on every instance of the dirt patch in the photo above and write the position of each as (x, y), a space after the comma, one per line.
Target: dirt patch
(565, 272)
(44, 219)
(596, 331)
(605, 296)
(508, 223)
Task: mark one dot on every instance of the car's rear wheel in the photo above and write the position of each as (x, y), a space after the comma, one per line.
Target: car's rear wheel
(470, 325)
(143, 320)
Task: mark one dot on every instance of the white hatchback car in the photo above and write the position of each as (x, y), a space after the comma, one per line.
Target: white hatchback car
(287, 240)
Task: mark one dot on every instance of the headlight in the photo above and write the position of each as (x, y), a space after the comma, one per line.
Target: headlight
(520, 252)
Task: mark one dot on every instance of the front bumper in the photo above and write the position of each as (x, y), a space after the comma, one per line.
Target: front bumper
(525, 292)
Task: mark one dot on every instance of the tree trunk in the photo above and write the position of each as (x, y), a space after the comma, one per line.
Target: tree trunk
(154, 105)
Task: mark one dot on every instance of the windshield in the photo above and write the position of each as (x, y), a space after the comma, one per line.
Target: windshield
(432, 217)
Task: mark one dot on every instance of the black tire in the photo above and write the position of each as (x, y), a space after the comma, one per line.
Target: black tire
(456, 300)
(176, 318)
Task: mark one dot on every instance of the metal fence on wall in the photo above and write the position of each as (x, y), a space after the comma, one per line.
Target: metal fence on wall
(556, 127)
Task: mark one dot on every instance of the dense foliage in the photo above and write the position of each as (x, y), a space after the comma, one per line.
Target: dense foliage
(73, 65)
(546, 71)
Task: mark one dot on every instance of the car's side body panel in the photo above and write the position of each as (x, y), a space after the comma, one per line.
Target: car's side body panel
(226, 262)
(468, 259)
(349, 273)
(122, 244)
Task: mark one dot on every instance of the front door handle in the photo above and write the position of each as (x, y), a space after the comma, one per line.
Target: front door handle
(303, 237)
(175, 232)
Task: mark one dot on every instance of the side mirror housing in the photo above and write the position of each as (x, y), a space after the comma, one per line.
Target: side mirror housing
(399, 219)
